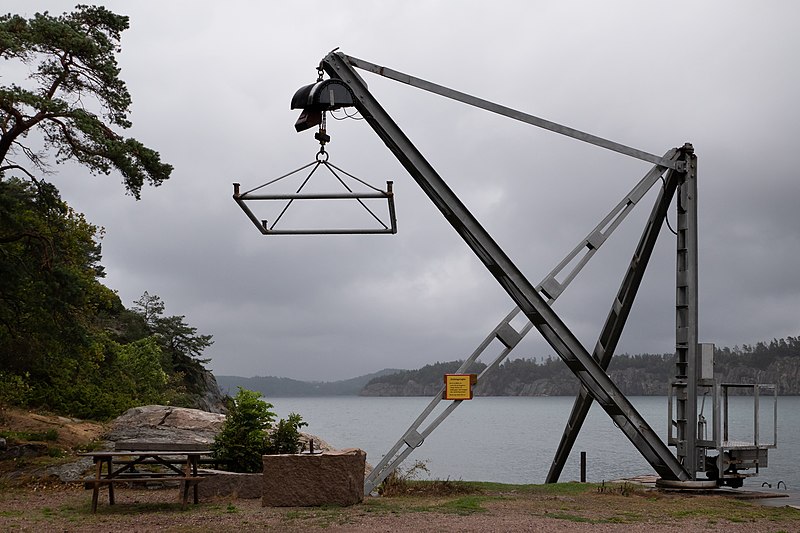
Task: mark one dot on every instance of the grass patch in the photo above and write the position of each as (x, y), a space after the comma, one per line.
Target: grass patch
(318, 517)
(436, 487)
(558, 489)
(729, 509)
(571, 517)
(623, 489)
(689, 513)
(628, 517)
(13, 437)
(56, 453)
(462, 506)
(587, 520)
(397, 505)
(63, 512)
(220, 509)
(404, 482)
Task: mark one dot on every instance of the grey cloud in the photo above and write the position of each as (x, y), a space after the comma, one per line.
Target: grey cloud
(211, 85)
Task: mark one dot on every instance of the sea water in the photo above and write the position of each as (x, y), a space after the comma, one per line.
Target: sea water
(513, 439)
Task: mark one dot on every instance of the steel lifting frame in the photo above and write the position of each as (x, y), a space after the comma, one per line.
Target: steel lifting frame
(590, 371)
(241, 198)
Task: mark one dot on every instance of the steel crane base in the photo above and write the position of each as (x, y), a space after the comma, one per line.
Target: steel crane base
(673, 484)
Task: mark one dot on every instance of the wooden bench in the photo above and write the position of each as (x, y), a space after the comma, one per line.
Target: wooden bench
(96, 484)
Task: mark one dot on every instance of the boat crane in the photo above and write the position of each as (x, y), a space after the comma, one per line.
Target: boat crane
(704, 456)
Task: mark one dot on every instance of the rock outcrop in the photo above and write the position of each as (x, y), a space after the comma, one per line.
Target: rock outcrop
(163, 423)
(207, 395)
(784, 372)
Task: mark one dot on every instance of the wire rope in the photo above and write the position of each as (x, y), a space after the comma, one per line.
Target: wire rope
(666, 216)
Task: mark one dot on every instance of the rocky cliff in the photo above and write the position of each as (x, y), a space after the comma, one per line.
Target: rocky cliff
(209, 397)
(784, 372)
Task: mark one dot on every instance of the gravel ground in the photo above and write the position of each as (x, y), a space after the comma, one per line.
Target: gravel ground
(68, 508)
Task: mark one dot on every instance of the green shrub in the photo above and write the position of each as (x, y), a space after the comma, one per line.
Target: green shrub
(286, 437)
(14, 389)
(248, 433)
(244, 438)
(56, 452)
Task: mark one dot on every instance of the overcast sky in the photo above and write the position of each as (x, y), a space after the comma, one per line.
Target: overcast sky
(211, 85)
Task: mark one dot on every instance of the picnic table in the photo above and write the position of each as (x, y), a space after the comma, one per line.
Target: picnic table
(120, 466)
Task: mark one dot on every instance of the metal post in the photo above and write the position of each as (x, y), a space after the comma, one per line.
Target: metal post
(726, 408)
(686, 321)
(756, 409)
(583, 467)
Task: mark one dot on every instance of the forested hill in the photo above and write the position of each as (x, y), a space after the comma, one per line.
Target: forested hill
(275, 387)
(776, 362)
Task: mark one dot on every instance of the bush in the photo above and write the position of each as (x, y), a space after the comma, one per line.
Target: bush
(286, 437)
(244, 438)
(14, 389)
(247, 433)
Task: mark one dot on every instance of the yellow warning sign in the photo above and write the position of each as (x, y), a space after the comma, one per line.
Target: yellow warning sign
(459, 386)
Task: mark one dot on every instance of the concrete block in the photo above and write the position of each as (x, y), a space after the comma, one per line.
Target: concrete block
(303, 480)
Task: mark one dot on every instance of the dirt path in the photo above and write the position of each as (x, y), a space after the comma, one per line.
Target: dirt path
(71, 432)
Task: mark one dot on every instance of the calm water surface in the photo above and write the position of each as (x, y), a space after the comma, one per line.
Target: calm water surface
(513, 439)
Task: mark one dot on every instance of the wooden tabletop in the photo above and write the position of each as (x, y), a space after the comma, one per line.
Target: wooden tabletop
(141, 445)
(119, 453)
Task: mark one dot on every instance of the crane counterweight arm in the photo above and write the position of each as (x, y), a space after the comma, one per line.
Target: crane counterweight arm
(501, 110)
